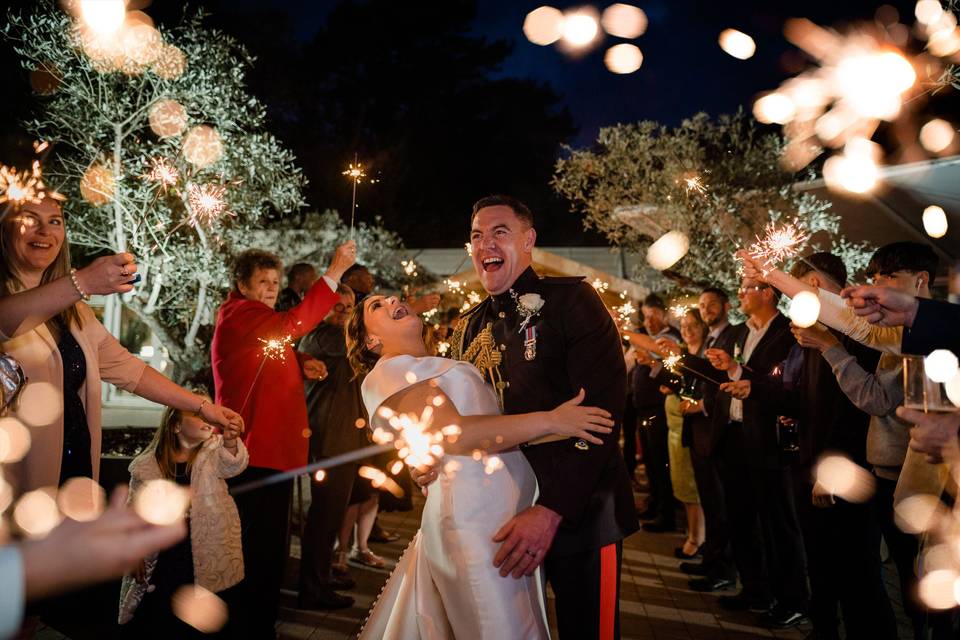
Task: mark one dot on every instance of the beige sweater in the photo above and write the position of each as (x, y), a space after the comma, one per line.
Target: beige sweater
(214, 521)
(37, 352)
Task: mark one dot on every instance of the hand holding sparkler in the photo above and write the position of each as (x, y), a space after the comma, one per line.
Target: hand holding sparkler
(753, 268)
(739, 389)
(106, 275)
(343, 258)
(668, 347)
(720, 359)
(884, 306)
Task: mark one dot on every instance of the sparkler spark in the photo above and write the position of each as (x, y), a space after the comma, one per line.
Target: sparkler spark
(355, 171)
(409, 267)
(206, 203)
(779, 242)
(20, 187)
(600, 285)
(680, 310)
(443, 348)
(694, 184)
(672, 362)
(162, 173)
(276, 348)
(454, 286)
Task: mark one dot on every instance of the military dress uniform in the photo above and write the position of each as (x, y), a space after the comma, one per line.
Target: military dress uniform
(537, 359)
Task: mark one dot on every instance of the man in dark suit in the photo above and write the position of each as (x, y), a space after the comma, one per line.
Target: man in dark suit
(717, 568)
(539, 341)
(300, 277)
(761, 511)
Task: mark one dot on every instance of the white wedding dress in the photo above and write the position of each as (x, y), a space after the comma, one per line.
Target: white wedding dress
(445, 584)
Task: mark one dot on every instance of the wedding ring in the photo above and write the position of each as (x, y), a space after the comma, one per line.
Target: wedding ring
(530, 552)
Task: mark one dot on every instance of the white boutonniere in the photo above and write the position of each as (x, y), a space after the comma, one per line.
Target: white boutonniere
(528, 305)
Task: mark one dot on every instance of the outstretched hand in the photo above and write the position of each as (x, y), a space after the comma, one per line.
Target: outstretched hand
(109, 274)
(526, 540)
(937, 435)
(753, 269)
(884, 306)
(720, 359)
(343, 258)
(222, 417)
(739, 389)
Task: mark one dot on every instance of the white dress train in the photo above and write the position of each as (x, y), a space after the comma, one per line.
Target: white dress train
(445, 584)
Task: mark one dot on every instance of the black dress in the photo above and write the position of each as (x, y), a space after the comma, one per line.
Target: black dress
(75, 460)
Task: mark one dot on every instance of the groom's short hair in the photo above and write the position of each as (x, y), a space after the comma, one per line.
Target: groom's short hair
(521, 210)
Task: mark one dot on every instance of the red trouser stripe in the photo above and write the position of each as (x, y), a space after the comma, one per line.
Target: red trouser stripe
(608, 590)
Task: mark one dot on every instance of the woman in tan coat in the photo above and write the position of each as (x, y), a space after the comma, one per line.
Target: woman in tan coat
(65, 351)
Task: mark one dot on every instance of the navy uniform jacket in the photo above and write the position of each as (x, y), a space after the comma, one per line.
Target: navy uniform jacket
(577, 345)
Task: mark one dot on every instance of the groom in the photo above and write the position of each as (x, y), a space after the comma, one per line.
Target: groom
(539, 341)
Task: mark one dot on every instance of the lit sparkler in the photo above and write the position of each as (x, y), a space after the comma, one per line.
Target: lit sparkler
(672, 362)
(20, 187)
(443, 348)
(162, 173)
(600, 285)
(355, 172)
(779, 242)
(206, 203)
(409, 267)
(694, 184)
(680, 310)
(276, 348)
(454, 286)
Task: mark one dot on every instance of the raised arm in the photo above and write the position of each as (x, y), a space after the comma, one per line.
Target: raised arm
(492, 433)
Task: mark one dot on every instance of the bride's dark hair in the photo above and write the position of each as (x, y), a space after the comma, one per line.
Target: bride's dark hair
(361, 359)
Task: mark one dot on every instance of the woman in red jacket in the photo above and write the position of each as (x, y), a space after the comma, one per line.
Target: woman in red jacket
(266, 388)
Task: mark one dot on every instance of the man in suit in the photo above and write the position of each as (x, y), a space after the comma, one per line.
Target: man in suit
(717, 569)
(300, 277)
(539, 341)
(764, 529)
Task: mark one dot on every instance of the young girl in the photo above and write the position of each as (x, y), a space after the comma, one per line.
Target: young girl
(186, 450)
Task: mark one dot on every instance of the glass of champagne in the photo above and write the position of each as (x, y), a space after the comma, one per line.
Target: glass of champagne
(922, 393)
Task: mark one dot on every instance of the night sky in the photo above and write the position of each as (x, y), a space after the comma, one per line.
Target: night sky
(684, 70)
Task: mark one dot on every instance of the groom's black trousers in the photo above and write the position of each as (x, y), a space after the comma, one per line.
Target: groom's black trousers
(586, 588)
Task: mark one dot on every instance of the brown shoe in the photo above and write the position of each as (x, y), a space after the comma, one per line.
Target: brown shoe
(367, 558)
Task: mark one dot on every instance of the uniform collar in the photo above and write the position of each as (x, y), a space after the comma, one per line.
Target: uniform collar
(526, 282)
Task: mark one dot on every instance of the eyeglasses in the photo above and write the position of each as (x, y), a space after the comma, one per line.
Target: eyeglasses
(757, 287)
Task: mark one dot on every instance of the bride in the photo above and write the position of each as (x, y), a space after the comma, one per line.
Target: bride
(445, 584)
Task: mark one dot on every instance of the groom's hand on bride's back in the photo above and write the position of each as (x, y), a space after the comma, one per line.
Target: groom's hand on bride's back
(526, 540)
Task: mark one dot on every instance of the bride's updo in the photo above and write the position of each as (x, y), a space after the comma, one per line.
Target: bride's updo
(360, 357)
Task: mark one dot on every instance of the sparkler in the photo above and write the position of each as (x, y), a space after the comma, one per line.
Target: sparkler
(355, 172)
(675, 364)
(273, 349)
(779, 242)
(206, 203)
(694, 184)
(20, 187)
(162, 173)
(409, 267)
(454, 286)
(680, 310)
(600, 285)
(672, 362)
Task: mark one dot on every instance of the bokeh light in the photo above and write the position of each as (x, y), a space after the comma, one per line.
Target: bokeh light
(668, 250)
(935, 221)
(40, 404)
(940, 365)
(170, 62)
(161, 502)
(579, 28)
(97, 185)
(36, 512)
(804, 309)
(199, 608)
(202, 146)
(167, 118)
(543, 25)
(81, 499)
(14, 440)
(855, 170)
(928, 11)
(844, 478)
(623, 58)
(936, 589)
(936, 135)
(103, 16)
(624, 21)
(917, 513)
(774, 108)
(737, 44)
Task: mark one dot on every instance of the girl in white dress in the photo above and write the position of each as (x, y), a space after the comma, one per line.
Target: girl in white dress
(445, 585)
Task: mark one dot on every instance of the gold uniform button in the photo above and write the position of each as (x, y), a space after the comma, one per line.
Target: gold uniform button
(502, 315)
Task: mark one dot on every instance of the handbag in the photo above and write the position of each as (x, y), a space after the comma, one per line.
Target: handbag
(12, 382)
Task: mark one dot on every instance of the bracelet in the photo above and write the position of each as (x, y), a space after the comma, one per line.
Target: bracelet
(202, 404)
(76, 285)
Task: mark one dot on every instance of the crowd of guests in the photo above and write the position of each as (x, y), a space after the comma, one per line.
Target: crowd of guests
(729, 419)
(734, 431)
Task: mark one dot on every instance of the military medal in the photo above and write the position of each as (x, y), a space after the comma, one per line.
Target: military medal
(530, 344)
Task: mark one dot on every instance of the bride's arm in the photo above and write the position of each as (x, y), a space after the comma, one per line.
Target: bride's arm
(492, 433)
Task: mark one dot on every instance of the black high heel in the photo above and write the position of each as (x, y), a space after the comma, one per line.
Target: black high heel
(682, 555)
